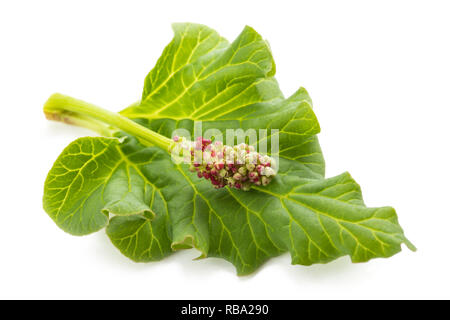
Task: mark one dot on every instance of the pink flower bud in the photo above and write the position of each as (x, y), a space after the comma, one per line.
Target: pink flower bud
(252, 175)
(214, 181)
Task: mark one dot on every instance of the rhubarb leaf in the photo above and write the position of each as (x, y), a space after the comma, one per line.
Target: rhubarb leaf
(152, 206)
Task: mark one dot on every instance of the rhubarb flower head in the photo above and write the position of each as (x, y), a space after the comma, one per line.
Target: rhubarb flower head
(239, 167)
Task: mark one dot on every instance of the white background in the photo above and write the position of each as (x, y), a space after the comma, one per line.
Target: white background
(378, 73)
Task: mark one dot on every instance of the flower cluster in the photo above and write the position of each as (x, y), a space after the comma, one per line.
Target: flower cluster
(237, 167)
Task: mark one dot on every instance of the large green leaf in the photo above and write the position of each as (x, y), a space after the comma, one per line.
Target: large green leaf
(158, 206)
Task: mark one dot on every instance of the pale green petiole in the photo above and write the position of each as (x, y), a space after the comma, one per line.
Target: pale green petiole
(77, 112)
